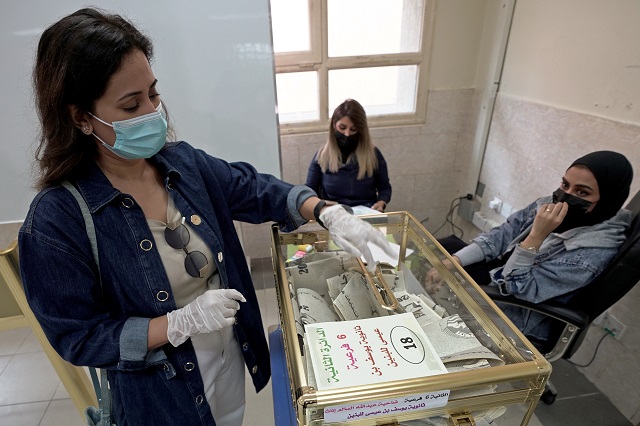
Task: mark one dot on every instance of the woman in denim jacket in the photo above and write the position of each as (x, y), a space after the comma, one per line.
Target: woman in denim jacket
(161, 312)
(556, 244)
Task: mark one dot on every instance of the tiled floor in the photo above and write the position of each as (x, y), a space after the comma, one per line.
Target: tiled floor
(32, 395)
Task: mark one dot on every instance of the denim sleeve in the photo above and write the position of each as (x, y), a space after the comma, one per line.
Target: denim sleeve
(297, 196)
(495, 242)
(134, 354)
(537, 280)
(66, 300)
(60, 279)
(251, 196)
(256, 197)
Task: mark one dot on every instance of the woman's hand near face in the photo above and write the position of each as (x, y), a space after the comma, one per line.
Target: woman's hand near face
(380, 206)
(548, 218)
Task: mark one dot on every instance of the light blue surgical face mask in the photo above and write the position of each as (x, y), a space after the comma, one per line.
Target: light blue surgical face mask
(139, 137)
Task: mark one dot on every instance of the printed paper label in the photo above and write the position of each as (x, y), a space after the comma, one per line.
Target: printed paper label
(374, 350)
(341, 413)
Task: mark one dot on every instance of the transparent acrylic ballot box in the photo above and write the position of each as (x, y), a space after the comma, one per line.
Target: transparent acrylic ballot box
(416, 342)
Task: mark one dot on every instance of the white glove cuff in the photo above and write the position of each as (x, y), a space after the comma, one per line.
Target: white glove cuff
(174, 329)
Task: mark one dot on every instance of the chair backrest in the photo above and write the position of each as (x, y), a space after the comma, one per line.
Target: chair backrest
(620, 276)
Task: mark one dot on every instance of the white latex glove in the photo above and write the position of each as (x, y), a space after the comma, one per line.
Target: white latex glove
(211, 311)
(353, 234)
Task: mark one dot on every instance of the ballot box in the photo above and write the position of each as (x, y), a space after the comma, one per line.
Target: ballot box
(414, 342)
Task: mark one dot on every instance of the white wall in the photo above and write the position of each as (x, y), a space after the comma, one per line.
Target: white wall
(582, 55)
(213, 60)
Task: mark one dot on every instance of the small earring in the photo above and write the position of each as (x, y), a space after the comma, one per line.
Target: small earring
(86, 129)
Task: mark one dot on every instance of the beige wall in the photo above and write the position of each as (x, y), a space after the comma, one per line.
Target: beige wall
(581, 55)
(457, 33)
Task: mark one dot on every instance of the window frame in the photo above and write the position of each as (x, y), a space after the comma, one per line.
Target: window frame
(317, 59)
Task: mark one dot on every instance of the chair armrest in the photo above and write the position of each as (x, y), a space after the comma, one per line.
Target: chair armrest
(551, 309)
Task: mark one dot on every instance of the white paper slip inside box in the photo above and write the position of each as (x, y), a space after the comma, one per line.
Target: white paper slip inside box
(368, 351)
(381, 256)
(360, 210)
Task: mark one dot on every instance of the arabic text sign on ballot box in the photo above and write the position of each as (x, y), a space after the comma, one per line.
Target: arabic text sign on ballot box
(369, 351)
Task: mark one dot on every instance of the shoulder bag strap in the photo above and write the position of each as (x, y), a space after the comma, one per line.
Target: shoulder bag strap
(104, 396)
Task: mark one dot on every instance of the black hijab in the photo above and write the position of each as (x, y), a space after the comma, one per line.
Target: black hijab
(614, 173)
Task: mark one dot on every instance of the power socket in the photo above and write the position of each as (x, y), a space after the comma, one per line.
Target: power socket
(612, 324)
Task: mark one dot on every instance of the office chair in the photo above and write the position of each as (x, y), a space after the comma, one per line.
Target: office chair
(572, 318)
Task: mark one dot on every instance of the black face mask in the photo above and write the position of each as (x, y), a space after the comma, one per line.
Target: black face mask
(577, 215)
(576, 204)
(347, 144)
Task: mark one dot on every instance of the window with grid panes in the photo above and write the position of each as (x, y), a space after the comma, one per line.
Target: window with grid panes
(374, 51)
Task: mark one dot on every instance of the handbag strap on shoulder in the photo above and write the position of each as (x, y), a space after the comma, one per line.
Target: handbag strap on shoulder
(102, 387)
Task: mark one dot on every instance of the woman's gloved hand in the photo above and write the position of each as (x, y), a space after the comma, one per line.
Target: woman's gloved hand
(211, 311)
(353, 234)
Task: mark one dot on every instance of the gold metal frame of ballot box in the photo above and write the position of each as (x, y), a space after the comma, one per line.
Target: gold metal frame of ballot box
(519, 382)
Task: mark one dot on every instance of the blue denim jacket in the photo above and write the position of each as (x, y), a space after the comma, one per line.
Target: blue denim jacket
(565, 262)
(107, 327)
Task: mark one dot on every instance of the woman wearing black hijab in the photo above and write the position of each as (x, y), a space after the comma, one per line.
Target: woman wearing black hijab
(555, 245)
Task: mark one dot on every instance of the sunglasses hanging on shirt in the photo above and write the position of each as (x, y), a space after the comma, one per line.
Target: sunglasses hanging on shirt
(178, 237)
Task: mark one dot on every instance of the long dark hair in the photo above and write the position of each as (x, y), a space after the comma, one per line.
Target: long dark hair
(76, 58)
